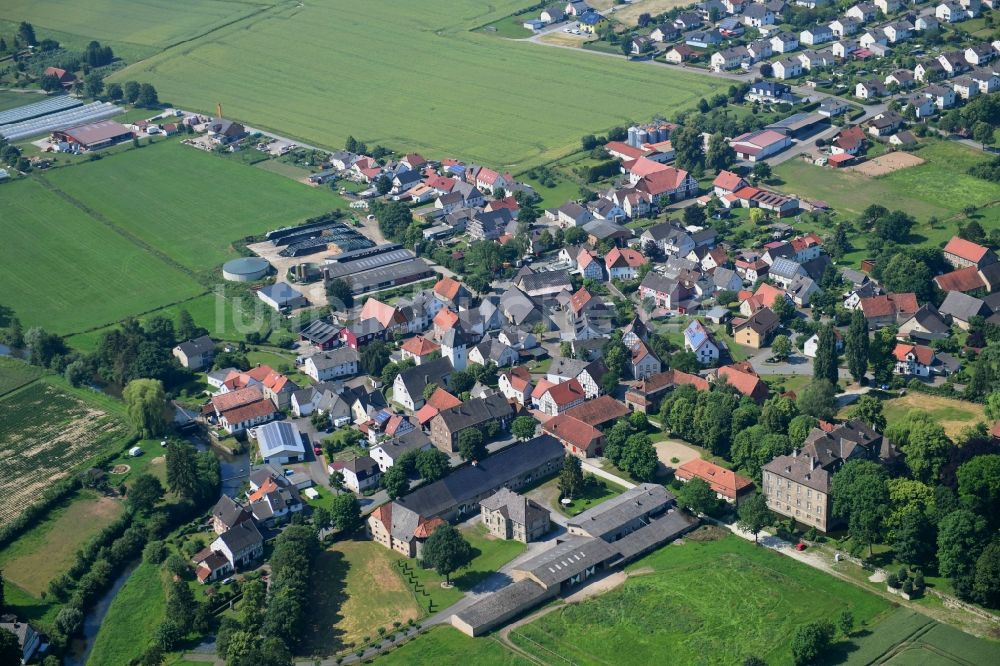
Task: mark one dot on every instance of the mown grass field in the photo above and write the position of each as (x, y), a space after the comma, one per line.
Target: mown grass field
(941, 188)
(14, 374)
(953, 415)
(66, 271)
(445, 645)
(708, 602)
(48, 432)
(189, 204)
(46, 550)
(136, 612)
(412, 76)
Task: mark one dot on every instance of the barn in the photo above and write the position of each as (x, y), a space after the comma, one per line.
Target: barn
(94, 136)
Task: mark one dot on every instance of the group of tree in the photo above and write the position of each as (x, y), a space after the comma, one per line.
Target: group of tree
(630, 449)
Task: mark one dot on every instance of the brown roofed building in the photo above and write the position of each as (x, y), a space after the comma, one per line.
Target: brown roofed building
(94, 136)
(888, 309)
(599, 411)
(742, 377)
(961, 253)
(577, 437)
(756, 331)
(646, 394)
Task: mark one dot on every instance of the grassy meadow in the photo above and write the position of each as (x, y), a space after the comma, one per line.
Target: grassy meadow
(187, 203)
(68, 272)
(14, 374)
(137, 610)
(412, 77)
(705, 602)
(952, 414)
(445, 645)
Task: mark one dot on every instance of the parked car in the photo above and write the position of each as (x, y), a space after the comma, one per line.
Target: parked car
(800, 547)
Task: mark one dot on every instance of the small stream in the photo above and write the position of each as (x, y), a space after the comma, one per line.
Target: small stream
(235, 470)
(80, 649)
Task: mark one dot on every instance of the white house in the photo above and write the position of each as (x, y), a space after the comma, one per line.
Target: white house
(784, 43)
(341, 362)
(699, 340)
(819, 34)
(788, 68)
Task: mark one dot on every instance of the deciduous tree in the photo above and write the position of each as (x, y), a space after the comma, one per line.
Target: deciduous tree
(145, 402)
(447, 551)
(754, 515)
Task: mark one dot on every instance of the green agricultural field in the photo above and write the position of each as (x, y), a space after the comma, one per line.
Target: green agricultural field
(704, 602)
(66, 271)
(445, 645)
(907, 638)
(49, 431)
(412, 76)
(189, 204)
(14, 374)
(152, 23)
(136, 612)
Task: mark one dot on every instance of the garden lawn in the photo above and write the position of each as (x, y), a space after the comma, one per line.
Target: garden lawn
(490, 553)
(45, 551)
(411, 76)
(68, 272)
(189, 204)
(15, 373)
(357, 589)
(446, 645)
(705, 602)
(136, 612)
(946, 168)
(596, 491)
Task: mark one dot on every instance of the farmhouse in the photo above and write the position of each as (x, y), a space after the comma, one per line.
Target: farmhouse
(725, 483)
(961, 253)
(94, 136)
(579, 438)
(756, 146)
(195, 354)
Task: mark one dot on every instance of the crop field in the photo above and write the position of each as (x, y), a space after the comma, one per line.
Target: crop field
(66, 271)
(14, 374)
(47, 433)
(202, 202)
(412, 76)
(908, 638)
(153, 23)
(704, 602)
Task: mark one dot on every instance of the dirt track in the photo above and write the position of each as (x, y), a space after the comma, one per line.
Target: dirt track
(886, 164)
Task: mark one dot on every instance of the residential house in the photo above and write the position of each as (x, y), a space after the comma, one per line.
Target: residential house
(515, 384)
(789, 68)
(926, 24)
(811, 346)
(784, 42)
(388, 451)
(962, 308)
(870, 89)
(730, 58)
(925, 325)
(508, 515)
(965, 87)
(863, 12)
(227, 514)
(342, 362)
(942, 96)
(408, 386)
(897, 31)
(888, 309)
(420, 349)
(560, 397)
(577, 437)
(742, 377)
(680, 53)
(913, 360)
(195, 354)
(925, 72)
(360, 473)
(700, 341)
(756, 331)
(819, 34)
(900, 78)
(923, 107)
(665, 33)
(844, 27)
(885, 124)
(241, 546)
(29, 641)
(757, 15)
(643, 361)
(760, 50)
(978, 55)
(447, 426)
(624, 263)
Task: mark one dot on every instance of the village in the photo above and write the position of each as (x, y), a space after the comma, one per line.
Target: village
(504, 399)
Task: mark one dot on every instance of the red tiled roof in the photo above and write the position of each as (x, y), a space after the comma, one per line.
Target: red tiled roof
(541, 387)
(599, 410)
(728, 181)
(964, 279)
(237, 398)
(269, 486)
(622, 148)
(667, 179)
(965, 249)
(420, 346)
(723, 481)
(518, 377)
(426, 528)
(443, 400)
(426, 413)
(573, 431)
(254, 410)
(447, 287)
(644, 167)
(566, 392)
(578, 300)
(619, 257)
(889, 304)
(924, 355)
(746, 383)
(767, 294)
(381, 312)
(445, 319)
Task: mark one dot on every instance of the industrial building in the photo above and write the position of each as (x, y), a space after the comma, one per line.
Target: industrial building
(94, 136)
(245, 269)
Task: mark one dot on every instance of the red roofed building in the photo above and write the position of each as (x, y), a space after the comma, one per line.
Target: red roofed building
(419, 348)
(450, 290)
(622, 151)
(850, 141)
(438, 401)
(888, 309)
(515, 384)
(65, 78)
(964, 280)
(401, 536)
(624, 263)
(758, 145)
(727, 484)
(560, 397)
(599, 411)
(742, 377)
(765, 297)
(578, 438)
(639, 168)
(541, 388)
(579, 300)
(646, 394)
(589, 265)
(240, 418)
(961, 253)
(385, 314)
(444, 321)
(728, 182)
(667, 184)
(913, 360)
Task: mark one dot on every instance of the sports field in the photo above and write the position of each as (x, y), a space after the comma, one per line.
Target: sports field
(187, 203)
(411, 76)
(703, 602)
(66, 271)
